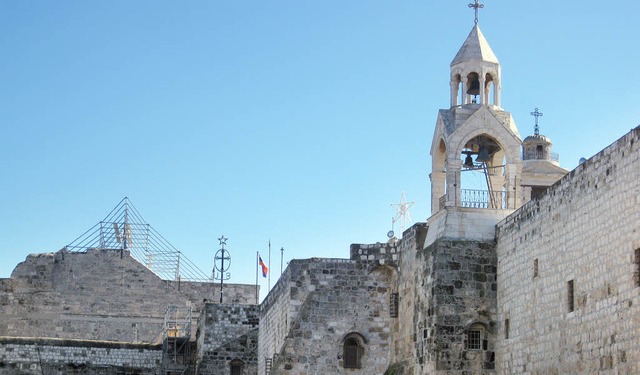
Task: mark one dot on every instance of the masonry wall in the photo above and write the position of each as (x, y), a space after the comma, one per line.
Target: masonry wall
(99, 294)
(71, 357)
(445, 289)
(226, 333)
(586, 229)
(329, 299)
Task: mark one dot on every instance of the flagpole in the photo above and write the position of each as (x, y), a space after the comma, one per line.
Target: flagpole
(257, 290)
(269, 275)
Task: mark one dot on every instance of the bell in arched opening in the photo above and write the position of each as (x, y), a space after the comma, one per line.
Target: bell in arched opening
(483, 155)
(474, 85)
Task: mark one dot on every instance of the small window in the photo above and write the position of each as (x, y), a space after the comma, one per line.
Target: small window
(474, 339)
(506, 328)
(570, 296)
(237, 367)
(535, 268)
(353, 351)
(539, 148)
(393, 305)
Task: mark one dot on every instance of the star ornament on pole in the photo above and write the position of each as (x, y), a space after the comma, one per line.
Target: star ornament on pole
(402, 212)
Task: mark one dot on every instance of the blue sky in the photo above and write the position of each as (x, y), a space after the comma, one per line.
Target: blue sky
(295, 121)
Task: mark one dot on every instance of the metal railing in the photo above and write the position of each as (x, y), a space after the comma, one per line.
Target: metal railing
(483, 199)
(540, 155)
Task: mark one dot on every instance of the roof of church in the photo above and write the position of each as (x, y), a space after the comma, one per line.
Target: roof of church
(475, 48)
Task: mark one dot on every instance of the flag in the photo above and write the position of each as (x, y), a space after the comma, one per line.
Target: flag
(265, 269)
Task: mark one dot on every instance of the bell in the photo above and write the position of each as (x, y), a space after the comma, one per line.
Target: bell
(468, 162)
(474, 87)
(483, 155)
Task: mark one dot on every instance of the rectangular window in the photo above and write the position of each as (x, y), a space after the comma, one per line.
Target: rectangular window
(535, 268)
(570, 296)
(393, 305)
(506, 328)
(474, 339)
(637, 274)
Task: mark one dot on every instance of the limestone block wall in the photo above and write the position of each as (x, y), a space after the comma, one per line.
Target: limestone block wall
(584, 233)
(275, 316)
(444, 289)
(383, 253)
(99, 294)
(226, 333)
(71, 357)
(409, 279)
(329, 299)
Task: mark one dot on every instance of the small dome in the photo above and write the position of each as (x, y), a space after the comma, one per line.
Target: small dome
(537, 138)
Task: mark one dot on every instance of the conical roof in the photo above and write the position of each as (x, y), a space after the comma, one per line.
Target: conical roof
(475, 48)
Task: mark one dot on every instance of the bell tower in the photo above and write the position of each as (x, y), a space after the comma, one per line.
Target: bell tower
(476, 165)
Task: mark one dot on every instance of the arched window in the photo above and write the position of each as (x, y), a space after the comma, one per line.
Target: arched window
(353, 348)
(237, 367)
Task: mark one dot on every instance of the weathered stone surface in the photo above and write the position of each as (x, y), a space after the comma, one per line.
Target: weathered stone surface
(99, 295)
(227, 333)
(586, 229)
(58, 356)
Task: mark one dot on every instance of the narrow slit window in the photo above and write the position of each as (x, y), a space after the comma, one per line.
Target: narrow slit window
(393, 305)
(506, 328)
(637, 273)
(535, 268)
(570, 296)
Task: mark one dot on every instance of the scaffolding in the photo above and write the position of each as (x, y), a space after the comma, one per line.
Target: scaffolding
(125, 229)
(176, 341)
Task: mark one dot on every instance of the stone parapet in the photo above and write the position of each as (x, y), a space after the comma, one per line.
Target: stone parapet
(75, 357)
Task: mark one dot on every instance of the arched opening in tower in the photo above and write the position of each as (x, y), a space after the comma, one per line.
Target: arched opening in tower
(482, 178)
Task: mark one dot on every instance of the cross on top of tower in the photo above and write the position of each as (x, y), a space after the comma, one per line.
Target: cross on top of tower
(477, 6)
(536, 114)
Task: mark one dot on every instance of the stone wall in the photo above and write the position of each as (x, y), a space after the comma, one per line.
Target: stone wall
(227, 333)
(585, 230)
(328, 300)
(445, 289)
(71, 357)
(99, 294)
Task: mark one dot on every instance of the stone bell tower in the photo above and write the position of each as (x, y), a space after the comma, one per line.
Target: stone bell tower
(475, 183)
(475, 136)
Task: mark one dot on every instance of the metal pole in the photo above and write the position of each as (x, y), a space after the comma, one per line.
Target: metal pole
(257, 290)
(221, 274)
(281, 259)
(269, 275)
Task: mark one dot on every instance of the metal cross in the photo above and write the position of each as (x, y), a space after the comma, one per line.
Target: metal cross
(536, 114)
(476, 4)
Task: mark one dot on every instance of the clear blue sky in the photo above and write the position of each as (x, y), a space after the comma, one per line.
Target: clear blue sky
(295, 121)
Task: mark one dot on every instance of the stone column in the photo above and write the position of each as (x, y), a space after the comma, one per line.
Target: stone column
(438, 188)
(454, 165)
(483, 99)
(512, 177)
(455, 86)
(496, 93)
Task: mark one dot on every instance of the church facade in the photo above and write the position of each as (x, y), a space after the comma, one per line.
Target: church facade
(536, 271)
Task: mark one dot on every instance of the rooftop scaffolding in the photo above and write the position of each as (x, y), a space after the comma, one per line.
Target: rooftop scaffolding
(125, 229)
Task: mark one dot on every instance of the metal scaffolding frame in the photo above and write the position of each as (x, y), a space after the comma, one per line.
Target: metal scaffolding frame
(176, 341)
(125, 229)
